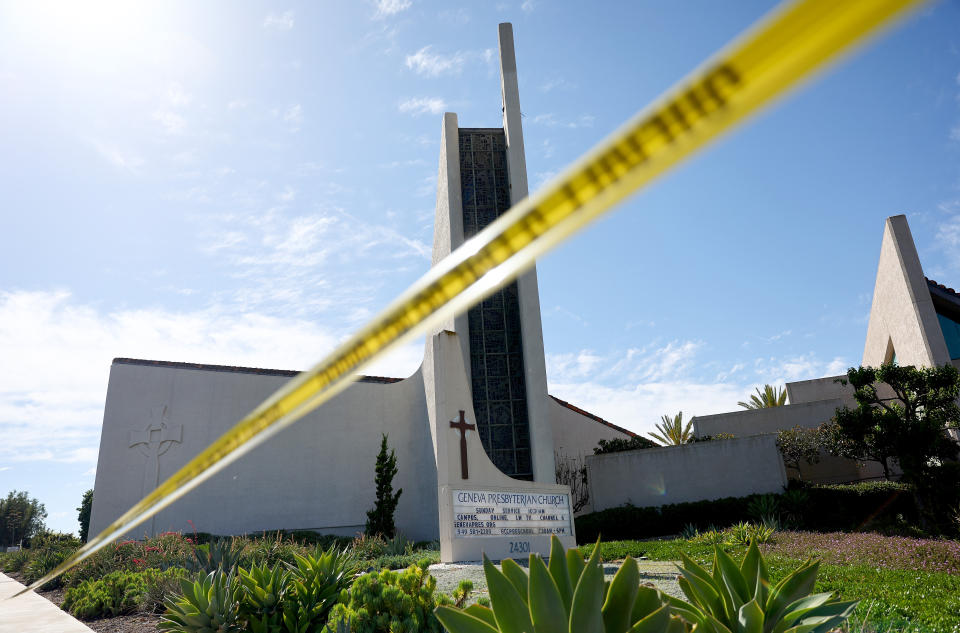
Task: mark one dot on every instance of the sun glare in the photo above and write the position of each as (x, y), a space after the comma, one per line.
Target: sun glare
(96, 34)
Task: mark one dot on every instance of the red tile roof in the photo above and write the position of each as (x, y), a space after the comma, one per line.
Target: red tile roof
(595, 418)
(940, 286)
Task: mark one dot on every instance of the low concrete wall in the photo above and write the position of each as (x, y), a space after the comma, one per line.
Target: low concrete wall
(826, 388)
(770, 420)
(693, 472)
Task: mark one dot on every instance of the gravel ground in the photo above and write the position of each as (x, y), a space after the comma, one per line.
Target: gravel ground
(663, 574)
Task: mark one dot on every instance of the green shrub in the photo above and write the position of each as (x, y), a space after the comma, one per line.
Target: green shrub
(14, 561)
(388, 602)
(160, 584)
(827, 508)
(619, 444)
(270, 550)
(710, 537)
(427, 557)
(165, 551)
(744, 533)
(121, 592)
(44, 561)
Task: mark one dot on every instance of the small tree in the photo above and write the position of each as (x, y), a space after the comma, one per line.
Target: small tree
(672, 432)
(770, 397)
(21, 517)
(910, 427)
(572, 471)
(620, 444)
(798, 445)
(380, 518)
(84, 517)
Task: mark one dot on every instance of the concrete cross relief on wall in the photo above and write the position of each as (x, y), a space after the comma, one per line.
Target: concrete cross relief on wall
(154, 441)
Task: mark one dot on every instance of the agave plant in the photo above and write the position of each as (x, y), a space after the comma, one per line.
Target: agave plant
(264, 593)
(222, 554)
(569, 594)
(210, 605)
(770, 397)
(672, 432)
(741, 599)
(316, 583)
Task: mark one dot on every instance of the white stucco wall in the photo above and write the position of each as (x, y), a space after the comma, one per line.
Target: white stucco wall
(693, 472)
(902, 315)
(316, 475)
(769, 420)
(576, 435)
(819, 389)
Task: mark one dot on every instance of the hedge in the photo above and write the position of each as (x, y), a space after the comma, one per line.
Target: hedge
(829, 508)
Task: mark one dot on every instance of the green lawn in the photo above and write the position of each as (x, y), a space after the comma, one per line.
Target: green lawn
(895, 595)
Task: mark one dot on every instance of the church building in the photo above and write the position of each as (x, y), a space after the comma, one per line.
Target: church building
(476, 414)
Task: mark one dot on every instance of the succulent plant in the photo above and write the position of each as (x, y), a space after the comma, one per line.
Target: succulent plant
(568, 594)
(210, 605)
(740, 598)
(316, 582)
(264, 590)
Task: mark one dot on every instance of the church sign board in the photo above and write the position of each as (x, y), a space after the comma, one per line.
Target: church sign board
(517, 516)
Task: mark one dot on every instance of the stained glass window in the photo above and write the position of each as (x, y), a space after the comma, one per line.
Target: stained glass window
(496, 342)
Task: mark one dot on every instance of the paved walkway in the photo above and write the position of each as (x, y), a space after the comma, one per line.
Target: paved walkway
(31, 613)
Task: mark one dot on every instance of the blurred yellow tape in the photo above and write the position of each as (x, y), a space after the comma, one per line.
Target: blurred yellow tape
(774, 56)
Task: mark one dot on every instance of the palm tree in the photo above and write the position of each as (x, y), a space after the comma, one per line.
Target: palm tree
(672, 431)
(769, 397)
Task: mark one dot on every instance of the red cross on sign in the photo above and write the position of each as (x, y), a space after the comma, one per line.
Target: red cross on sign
(462, 426)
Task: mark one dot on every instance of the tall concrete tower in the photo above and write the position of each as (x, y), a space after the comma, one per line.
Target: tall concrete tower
(483, 172)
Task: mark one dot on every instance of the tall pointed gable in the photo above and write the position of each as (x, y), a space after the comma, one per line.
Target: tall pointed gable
(903, 322)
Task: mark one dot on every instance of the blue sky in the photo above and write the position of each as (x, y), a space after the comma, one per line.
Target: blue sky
(246, 184)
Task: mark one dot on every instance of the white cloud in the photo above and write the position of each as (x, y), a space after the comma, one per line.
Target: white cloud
(177, 97)
(307, 264)
(553, 84)
(461, 16)
(293, 115)
(528, 6)
(947, 237)
(58, 350)
(425, 62)
(387, 8)
(955, 133)
(236, 104)
(287, 195)
(117, 156)
(634, 387)
(552, 120)
(280, 22)
(423, 105)
(171, 122)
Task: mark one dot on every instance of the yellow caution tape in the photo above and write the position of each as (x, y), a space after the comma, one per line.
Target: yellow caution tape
(773, 57)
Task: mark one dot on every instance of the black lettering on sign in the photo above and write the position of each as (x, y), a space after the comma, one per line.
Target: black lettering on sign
(519, 547)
